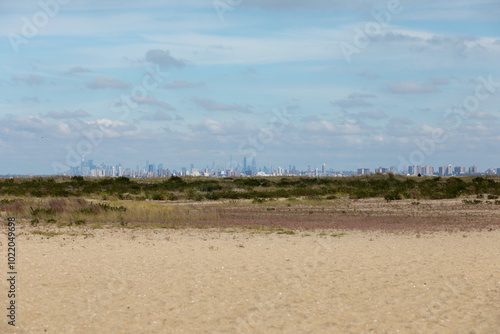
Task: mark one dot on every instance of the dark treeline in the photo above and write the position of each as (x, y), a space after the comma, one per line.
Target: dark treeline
(390, 187)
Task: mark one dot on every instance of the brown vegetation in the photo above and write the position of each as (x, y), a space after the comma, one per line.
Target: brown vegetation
(284, 214)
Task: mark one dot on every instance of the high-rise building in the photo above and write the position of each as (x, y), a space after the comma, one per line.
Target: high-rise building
(323, 169)
(363, 171)
(449, 170)
(459, 170)
(415, 170)
(381, 170)
(254, 166)
(244, 164)
(82, 164)
(473, 170)
(429, 170)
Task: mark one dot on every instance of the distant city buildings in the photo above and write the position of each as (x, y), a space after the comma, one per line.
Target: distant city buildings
(363, 171)
(382, 170)
(88, 168)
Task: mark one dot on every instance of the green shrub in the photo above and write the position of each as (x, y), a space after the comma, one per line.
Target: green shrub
(159, 197)
(393, 196)
(80, 222)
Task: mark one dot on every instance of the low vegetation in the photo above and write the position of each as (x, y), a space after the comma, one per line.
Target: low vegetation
(390, 187)
(290, 203)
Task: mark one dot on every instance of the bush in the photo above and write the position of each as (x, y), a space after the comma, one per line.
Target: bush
(41, 211)
(159, 197)
(258, 200)
(172, 197)
(476, 201)
(106, 207)
(394, 196)
(213, 196)
(57, 204)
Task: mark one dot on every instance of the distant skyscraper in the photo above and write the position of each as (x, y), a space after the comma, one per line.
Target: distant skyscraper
(245, 164)
(254, 166)
(449, 170)
(82, 164)
(363, 171)
(323, 169)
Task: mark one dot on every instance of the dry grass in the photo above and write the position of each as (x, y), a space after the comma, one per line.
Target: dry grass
(267, 216)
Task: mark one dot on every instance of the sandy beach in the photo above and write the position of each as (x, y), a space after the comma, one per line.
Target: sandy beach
(235, 281)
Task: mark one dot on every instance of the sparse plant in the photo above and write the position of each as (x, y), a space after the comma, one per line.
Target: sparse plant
(79, 222)
(159, 197)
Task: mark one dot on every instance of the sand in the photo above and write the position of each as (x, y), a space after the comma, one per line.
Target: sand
(208, 281)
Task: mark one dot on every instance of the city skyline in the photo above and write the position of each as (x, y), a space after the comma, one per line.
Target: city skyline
(233, 168)
(346, 83)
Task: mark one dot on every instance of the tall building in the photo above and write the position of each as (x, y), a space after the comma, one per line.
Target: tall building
(429, 170)
(415, 170)
(459, 170)
(363, 171)
(82, 164)
(244, 164)
(254, 166)
(473, 170)
(381, 170)
(449, 170)
(323, 169)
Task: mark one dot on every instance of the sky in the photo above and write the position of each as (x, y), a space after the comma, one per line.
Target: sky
(347, 83)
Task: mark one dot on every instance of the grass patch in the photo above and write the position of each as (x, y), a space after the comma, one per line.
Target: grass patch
(289, 232)
(47, 234)
(468, 201)
(50, 234)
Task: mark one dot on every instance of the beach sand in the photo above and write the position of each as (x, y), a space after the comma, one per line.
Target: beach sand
(236, 281)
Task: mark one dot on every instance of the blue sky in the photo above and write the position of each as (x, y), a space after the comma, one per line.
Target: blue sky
(347, 83)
